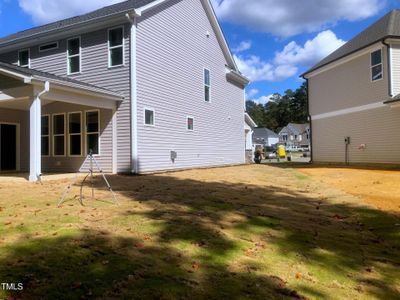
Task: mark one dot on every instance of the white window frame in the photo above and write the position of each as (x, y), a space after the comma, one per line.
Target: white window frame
(372, 66)
(187, 123)
(29, 58)
(75, 134)
(56, 135)
(90, 133)
(43, 45)
(48, 135)
(208, 85)
(74, 55)
(115, 47)
(154, 116)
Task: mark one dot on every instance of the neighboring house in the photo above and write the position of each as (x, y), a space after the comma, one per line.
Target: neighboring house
(147, 85)
(353, 98)
(297, 135)
(264, 137)
(249, 126)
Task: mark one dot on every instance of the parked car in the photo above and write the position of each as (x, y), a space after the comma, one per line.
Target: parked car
(294, 149)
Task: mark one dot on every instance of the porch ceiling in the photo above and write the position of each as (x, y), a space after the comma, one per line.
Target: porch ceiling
(20, 85)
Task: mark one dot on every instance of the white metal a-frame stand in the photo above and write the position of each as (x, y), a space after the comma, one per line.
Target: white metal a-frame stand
(89, 175)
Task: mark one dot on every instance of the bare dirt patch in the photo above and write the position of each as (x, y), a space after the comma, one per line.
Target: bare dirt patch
(379, 188)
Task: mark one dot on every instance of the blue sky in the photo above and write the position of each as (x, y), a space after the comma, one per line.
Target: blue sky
(272, 41)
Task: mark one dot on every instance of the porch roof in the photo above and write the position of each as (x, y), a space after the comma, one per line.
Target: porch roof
(32, 76)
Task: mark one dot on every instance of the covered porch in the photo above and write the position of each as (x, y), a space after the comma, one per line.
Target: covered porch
(50, 123)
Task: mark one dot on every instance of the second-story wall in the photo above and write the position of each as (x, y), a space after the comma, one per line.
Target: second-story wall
(173, 49)
(94, 70)
(348, 85)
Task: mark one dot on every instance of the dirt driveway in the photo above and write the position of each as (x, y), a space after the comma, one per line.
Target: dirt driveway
(378, 188)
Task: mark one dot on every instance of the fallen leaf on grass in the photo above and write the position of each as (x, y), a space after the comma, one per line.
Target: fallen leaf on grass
(7, 223)
(76, 285)
(195, 266)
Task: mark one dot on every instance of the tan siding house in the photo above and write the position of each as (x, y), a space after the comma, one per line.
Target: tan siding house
(353, 99)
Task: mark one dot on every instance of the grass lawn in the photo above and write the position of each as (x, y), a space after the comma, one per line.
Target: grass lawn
(248, 232)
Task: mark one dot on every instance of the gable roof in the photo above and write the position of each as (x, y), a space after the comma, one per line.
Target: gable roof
(264, 133)
(44, 76)
(106, 11)
(139, 7)
(295, 128)
(386, 27)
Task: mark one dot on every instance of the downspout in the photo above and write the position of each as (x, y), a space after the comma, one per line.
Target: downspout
(132, 18)
(389, 64)
(310, 120)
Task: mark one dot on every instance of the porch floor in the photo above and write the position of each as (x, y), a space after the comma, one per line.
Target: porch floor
(23, 177)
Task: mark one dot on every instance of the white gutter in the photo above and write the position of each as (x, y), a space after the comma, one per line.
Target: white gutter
(133, 76)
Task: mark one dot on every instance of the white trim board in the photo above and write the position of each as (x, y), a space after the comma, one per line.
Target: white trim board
(347, 111)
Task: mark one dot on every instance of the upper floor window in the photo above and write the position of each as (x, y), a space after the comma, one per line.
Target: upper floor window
(48, 47)
(149, 118)
(116, 47)
(376, 65)
(74, 55)
(207, 85)
(23, 58)
(190, 123)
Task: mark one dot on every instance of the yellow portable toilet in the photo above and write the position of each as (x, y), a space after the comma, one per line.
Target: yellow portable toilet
(281, 151)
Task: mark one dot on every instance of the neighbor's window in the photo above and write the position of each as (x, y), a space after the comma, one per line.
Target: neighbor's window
(23, 58)
(93, 132)
(149, 117)
(116, 46)
(45, 135)
(59, 135)
(74, 55)
(376, 65)
(190, 123)
(207, 85)
(75, 133)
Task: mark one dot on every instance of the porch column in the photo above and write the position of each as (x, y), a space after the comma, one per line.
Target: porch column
(35, 170)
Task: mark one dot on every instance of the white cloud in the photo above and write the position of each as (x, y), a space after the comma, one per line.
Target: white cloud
(250, 94)
(286, 18)
(287, 62)
(313, 50)
(263, 99)
(243, 46)
(45, 11)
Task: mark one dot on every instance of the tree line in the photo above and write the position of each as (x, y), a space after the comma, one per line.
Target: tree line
(281, 110)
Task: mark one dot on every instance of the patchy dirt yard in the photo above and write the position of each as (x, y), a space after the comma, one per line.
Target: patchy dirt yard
(379, 188)
(248, 232)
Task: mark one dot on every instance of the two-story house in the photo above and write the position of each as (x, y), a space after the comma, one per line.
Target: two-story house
(145, 85)
(353, 95)
(295, 135)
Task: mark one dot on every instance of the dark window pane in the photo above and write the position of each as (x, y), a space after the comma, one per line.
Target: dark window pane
(377, 72)
(59, 145)
(48, 47)
(116, 56)
(115, 37)
(75, 123)
(149, 117)
(23, 58)
(376, 58)
(74, 64)
(92, 121)
(73, 47)
(93, 143)
(190, 124)
(75, 144)
(58, 124)
(45, 125)
(206, 77)
(207, 93)
(45, 146)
